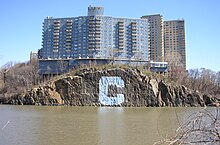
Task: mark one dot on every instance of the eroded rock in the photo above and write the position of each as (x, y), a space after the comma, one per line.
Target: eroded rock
(82, 89)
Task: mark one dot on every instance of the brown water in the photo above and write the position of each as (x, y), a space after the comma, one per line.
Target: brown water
(35, 125)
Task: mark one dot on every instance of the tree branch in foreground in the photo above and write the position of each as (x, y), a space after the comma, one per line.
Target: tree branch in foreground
(200, 128)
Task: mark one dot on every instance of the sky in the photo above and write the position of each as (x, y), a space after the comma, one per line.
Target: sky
(21, 24)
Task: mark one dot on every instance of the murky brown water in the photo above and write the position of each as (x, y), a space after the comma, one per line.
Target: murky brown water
(35, 125)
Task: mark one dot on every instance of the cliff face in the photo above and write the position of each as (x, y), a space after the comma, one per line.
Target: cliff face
(110, 87)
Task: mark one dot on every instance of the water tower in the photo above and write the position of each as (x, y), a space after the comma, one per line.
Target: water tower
(95, 11)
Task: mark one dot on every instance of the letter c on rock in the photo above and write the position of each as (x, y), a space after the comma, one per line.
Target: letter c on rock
(104, 82)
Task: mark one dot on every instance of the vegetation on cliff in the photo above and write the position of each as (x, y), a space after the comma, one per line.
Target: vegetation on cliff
(21, 84)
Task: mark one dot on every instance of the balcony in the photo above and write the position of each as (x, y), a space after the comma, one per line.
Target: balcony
(68, 37)
(120, 49)
(134, 30)
(91, 22)
(121, 46)
(98, 25)
(98, 42)
(134, 39)
(133, 23)
(68, 46)
(56, 31)
(91, 35)
(121, 42)
(56, 24)
(134, 42)
(91, 45)
(55, 48)
(98, 38)
(91, 26)
(98, 28)
(121, 24)
(55, 34)
(134, 50)
(120, 30)
(134, 45)
(91, 30)
(121, 34)
(134, 34)
(98, 20)
(56, 28)
(56, 37)
(90, 48)
(69, 23)
(69, 27)
(97, 33)
(121, 37)
(68, 30)
(69, 20)
(91, 39)
(68, 41)
(55, 44)
(97, 47)
(68, 34)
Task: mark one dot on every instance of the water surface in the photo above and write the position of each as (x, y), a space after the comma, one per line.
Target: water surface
(37, 125)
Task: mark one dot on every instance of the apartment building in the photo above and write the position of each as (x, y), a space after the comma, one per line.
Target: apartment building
(156, 37)
(68, 42)
(166, 40)
(94, 36)
(174, 43)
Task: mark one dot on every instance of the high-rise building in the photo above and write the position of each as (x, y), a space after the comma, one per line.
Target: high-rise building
(68, 42)
(94, 36)
(174, 43)
(156, 37)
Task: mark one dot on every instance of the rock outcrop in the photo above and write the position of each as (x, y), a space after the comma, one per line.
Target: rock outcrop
(83, 89)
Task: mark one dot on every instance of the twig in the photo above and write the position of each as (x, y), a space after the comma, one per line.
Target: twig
(6, 124)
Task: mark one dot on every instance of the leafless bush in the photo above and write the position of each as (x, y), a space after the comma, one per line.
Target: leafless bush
(201, 128)
(203, 80)
(19, 77)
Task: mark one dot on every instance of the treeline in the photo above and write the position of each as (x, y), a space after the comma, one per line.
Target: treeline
(20, 77)
(202, 80)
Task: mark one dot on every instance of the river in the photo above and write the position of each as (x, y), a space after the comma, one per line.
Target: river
(43, 125)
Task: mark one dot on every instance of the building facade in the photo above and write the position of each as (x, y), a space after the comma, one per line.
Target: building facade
(156, 37)
(68, 42)
(94, 36)
(174, 43)
(167, 41)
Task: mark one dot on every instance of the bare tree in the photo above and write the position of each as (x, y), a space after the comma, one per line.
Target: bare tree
(200, 128)
(62, 66)
(203, 80)
(113, 54)
(20, 77)
(176, 67)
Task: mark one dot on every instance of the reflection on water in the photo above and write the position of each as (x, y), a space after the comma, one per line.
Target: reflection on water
(111, 129)
(34, 125)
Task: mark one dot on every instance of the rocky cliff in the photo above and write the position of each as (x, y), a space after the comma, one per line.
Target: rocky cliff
(110, 87)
